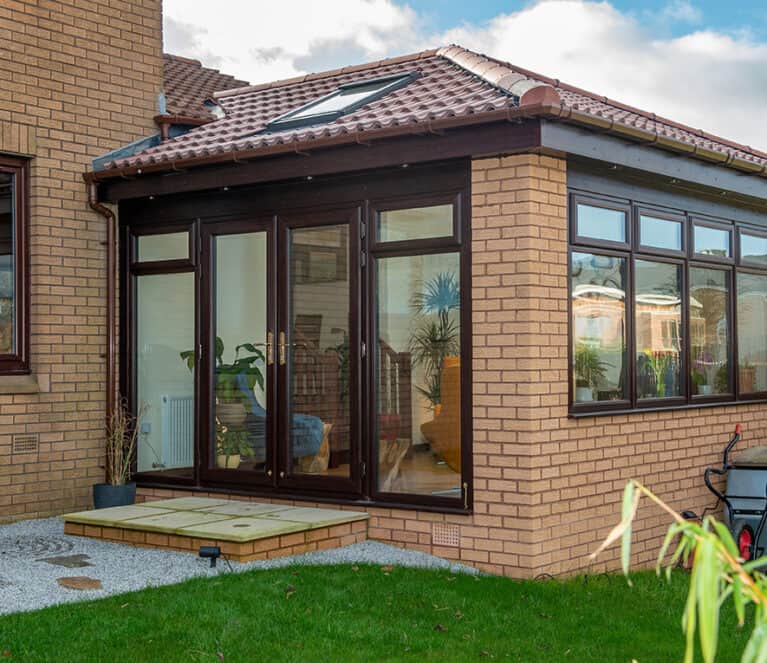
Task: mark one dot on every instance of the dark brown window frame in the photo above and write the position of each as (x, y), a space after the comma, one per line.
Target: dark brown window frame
(688, 259)
(17, 363)
(459, 243)
(441, 182)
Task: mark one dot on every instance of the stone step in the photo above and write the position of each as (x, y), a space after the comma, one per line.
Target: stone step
(245, 531)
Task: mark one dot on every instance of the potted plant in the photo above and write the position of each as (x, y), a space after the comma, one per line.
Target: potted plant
(230, 400)
(232, 444)
(121, 436)
(437, 335)
(701, 383)
(589, 371)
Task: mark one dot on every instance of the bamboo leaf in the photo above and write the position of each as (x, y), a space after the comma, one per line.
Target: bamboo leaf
(726, 538)
(756, 649)
(708, 597)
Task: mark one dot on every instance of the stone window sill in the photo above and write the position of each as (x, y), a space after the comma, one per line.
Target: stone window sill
(23, 384)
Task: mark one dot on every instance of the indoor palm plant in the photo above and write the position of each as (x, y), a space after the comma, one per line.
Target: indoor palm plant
(589, 370)
(121, 436)
(437, 334)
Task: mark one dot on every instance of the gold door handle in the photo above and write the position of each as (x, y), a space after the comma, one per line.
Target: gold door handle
(268, 473)
(269, 348)
(282, 348)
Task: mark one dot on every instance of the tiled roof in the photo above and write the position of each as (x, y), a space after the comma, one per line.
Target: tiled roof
(188, 84)
(454, 87)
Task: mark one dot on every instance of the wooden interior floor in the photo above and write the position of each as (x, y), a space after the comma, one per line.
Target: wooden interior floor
(421, 472)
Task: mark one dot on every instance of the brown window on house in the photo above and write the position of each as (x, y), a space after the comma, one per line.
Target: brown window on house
(674, 292)
(13, 267)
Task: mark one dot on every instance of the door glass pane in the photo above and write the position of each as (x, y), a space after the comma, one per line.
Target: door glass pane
(165, 379)
(168, 246)
(601, 223)
(418, 368)
(752, 340)
(7, 281)
(712, 241)
(658, 329)
(709, 328)
(240, 324)
(598, 294)
(660, 233)
(753, 248)
(319, 353)
(417, 223)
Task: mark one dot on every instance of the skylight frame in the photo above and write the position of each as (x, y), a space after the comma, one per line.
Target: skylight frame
(298, 118)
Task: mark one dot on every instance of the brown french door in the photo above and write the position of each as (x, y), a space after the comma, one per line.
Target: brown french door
(237, 347)
(279, 385)
(318, 351)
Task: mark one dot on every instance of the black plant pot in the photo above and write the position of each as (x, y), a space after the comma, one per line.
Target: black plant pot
(106, 495)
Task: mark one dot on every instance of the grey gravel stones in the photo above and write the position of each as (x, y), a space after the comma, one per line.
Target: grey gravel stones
(29, 581)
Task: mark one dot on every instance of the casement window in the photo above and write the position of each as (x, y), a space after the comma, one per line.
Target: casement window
(666, 308)
(14, 328)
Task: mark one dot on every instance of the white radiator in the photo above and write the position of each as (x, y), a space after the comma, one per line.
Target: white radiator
(177, 431)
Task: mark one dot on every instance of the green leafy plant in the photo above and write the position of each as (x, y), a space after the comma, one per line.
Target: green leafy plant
(233, 441)
(722, 379)
(436, 335)
(718, 574)
(121, 436)
(589, 368)
(227, 375)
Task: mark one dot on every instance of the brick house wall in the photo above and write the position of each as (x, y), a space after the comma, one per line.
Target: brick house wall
(547, 488)
(78, 78)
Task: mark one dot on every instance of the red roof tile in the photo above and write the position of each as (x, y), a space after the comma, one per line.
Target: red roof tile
(188, 84)
(455, 87)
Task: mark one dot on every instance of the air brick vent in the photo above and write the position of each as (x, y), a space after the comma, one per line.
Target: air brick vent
(443, 534)
(26, 443)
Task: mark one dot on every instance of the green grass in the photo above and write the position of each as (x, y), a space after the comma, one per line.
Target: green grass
(368, 613)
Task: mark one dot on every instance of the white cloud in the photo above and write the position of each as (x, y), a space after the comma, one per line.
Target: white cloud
(711, 80)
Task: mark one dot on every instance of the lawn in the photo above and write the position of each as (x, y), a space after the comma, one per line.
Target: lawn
(368, 613)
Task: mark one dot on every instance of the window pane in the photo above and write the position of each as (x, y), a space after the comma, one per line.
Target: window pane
(752, 339)
(712, 241)
(658, 329)
(598, 293)
(601, 223)
(709, 347)
(419, 375)
(7, 265)
(240, 406)
(168, 246)
(417, 223)
(661, 233)
(165, 330)
(753, 248)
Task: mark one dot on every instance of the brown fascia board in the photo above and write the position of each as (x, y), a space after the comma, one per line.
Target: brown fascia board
(546, 109)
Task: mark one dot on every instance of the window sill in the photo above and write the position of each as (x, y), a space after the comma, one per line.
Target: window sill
(22, 384)
(665, 408)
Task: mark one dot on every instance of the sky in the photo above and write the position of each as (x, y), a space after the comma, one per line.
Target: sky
(701, 62)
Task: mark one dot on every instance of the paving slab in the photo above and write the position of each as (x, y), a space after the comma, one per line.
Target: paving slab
(241, 530)
(190, 503)
(315, 518)
(115, 515)
(247, 508)
(173, 522)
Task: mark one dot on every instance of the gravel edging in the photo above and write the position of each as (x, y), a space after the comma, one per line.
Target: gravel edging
(27, 583)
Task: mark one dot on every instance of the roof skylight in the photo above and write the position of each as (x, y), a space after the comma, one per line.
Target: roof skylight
(344, 99)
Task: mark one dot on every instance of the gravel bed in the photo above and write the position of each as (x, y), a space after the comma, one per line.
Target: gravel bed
(28, 583)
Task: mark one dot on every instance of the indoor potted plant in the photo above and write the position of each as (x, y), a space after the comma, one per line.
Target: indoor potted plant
(437, 335)
(230, 400)
(589, 370)
(232, 444)
(121, 436)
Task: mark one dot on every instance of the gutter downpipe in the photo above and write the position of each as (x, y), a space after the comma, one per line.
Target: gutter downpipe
(111, 243)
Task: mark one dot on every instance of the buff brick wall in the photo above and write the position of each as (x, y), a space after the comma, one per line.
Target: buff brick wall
(547, 488)
(78, 78)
